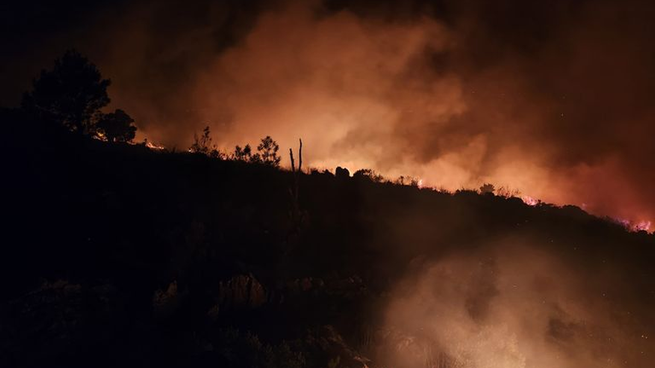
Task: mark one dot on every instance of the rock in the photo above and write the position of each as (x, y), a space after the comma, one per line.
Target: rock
(241, 292)
(164, 303)
(342, 173)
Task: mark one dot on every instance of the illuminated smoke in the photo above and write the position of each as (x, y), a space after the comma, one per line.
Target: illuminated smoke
(413, 96)
(551, 98)
(512, 307)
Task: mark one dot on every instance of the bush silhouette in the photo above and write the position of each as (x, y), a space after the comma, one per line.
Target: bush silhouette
(203, 144)
(368, 174)
(268, 152)
(487, 189)
(116, 127)
(242, 154)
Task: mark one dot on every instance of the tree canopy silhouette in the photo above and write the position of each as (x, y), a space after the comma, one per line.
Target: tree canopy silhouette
(242, 154)
(487, 189)
(72, 93)
(116, 127)
(268, 151)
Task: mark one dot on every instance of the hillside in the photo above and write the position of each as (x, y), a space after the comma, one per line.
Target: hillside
(116, 254)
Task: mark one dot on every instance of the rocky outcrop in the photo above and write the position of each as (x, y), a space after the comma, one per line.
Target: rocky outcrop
(342, 173)
(165, 302)
(241, 292)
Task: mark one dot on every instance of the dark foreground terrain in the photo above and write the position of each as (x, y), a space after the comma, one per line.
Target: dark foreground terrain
(119, 255)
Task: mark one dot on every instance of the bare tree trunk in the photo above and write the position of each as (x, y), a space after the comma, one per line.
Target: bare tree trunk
(296, 213)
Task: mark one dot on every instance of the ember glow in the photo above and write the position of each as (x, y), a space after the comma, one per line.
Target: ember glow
(634, 226)
(530, 201)
(154, 146)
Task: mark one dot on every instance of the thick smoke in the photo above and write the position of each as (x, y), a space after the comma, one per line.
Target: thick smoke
(559, 114)
(551, 98)
(512, 306)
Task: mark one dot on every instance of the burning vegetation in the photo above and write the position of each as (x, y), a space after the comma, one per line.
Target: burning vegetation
(192, 258)
(118, 253)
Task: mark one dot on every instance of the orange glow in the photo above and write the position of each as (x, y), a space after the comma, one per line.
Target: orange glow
(414, 97)
(154, 146)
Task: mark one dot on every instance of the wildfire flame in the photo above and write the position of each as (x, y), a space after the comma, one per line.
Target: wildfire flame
(154, 146)
(634, 226)
(530, 201)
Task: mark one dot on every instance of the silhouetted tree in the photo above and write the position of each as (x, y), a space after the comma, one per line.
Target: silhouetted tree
(72, 93)
(296, 213)
(487, 189)
(116, 127)
(242, 154)
(215, 153)
(268, 152)
(203, 143)
(256, 158)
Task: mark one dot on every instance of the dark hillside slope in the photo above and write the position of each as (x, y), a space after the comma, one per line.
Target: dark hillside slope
(118, 254)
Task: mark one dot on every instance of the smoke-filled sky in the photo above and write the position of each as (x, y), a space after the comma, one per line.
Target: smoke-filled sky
(553, 98)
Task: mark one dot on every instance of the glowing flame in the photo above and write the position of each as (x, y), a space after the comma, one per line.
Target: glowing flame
(154, 146)
(530, 201)
(633, 226)
(642, 226)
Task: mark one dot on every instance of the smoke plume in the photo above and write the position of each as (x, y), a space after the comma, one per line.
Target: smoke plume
(551, 98)
(514, 306)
